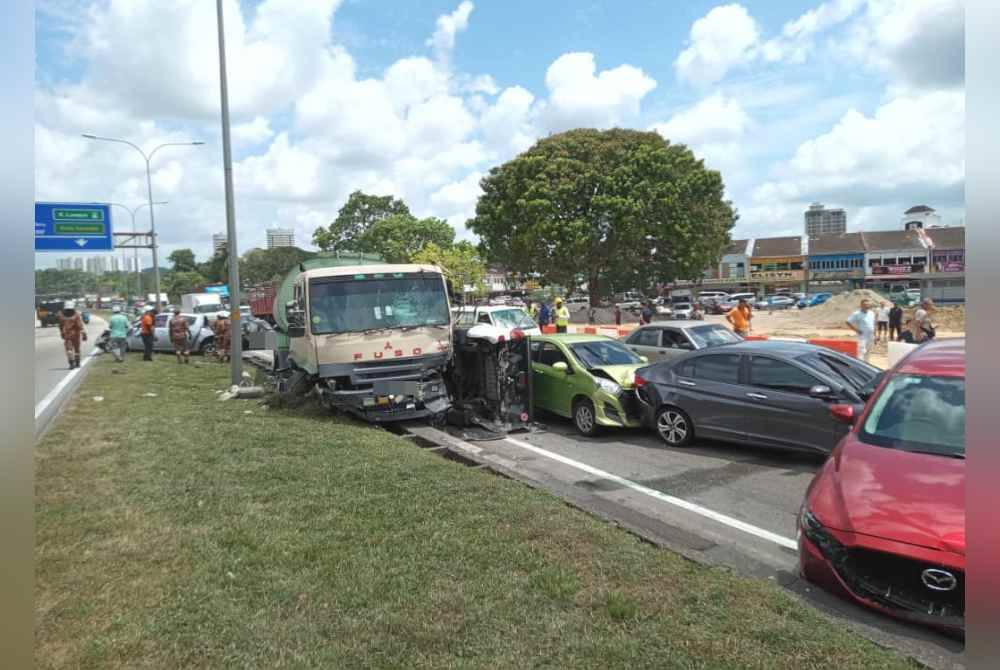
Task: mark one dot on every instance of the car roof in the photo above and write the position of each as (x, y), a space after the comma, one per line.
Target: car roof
(680, 323)
(572, 338)
(941, 358)
(487, 308)
(776, 347)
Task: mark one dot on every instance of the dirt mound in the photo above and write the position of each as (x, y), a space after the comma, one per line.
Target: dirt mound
(950, 319)
(833, 312)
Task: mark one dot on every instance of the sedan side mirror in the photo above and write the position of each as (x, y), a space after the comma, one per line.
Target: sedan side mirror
(561, 367)
(822, 392)
(643, 359)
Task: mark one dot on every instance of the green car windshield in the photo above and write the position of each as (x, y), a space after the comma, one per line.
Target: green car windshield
(599, 353)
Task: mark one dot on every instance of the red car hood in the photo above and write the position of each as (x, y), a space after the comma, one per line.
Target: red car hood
(896, 495)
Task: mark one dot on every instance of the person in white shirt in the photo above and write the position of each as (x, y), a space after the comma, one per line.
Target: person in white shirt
(882, 334)
(923, 318)
(862, 322)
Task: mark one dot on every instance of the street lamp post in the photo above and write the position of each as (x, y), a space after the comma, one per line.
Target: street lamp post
(149, 188)
(132, 211)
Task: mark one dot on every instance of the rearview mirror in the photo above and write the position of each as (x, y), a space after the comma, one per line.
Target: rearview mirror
(822, 392)
(561, 367)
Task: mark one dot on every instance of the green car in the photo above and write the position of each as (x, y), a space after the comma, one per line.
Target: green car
(588, 378)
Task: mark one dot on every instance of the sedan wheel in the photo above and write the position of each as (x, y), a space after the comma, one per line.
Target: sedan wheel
(674, 427)
(584, 418)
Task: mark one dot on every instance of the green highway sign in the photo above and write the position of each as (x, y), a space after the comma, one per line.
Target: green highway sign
(78, 228)
(77, 215)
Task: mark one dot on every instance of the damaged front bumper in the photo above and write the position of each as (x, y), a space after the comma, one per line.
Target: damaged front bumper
(387, 392)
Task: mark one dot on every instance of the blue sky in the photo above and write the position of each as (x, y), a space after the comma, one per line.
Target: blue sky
(856, 103)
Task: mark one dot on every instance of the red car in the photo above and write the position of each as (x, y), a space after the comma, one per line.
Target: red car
(883, 522)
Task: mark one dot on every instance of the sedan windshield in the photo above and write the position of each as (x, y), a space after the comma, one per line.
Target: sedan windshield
(712, 336)
(603, 352)
(857, 374)
(919, 413)
(349, 304)
(513, 318)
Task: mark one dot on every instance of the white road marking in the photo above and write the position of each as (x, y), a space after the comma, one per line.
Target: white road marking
(663, 497)
(63, 383)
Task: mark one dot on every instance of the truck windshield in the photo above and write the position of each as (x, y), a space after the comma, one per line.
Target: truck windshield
(349, 304)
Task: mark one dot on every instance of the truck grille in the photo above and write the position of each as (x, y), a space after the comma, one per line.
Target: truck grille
(897, 582)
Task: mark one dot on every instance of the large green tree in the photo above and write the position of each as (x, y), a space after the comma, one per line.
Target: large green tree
(604, 205)
(398, 237)
(176, 284)
(264, 265)
(216, 268)
(461, 263)
(354, 219)
(183, 260)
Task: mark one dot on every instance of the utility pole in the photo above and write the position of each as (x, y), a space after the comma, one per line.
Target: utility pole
(138, 268)
(236, 333)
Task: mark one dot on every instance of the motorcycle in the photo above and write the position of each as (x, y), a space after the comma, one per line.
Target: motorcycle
(104, 341)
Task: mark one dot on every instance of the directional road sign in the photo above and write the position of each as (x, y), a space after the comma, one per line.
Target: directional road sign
(73, 226)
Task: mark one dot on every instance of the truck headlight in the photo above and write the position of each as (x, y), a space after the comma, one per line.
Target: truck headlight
(608, 386)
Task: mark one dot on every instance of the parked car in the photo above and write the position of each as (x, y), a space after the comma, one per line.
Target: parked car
(681, 310)
(775, 302)
(202, 342)
(883, 522)
(665, 340)
(500, 316)
(766, 393)
(588, 378)
(813, 300)
(706, 297)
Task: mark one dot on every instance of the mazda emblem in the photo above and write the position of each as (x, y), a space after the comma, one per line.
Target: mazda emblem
(938, 580)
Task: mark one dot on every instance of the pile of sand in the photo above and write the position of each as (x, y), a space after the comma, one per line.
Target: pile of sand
(951, 319)
(834, 312)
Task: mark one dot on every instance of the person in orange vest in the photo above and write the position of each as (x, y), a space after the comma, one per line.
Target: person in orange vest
(740, 317)
(146, 330)
(72, 330)
(221, 330)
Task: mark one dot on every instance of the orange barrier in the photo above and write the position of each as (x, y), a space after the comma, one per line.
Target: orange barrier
(755, 337)
(549, 329)
(849, 347)
(589, 330)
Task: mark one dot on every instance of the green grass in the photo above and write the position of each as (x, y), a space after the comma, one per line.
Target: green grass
(182, 532)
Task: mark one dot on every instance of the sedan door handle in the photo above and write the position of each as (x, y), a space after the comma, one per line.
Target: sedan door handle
(758, 396)
(684, 382)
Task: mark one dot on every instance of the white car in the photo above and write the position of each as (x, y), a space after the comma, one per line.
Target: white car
(500, 316)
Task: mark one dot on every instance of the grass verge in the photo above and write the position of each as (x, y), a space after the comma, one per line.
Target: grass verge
(178, 531)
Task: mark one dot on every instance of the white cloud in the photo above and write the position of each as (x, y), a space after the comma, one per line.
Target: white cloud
(795, 41)
(920, 43)
(581, 96)
(910, 150)
(508, 123)
(457, 199)
(285, 172)
(721, 40)
(253, 132)
(448, 26)
(714, 129)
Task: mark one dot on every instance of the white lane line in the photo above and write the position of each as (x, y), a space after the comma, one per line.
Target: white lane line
(63, 383)
(659, 495)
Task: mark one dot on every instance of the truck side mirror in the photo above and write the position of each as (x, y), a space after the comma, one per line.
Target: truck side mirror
(295, 318)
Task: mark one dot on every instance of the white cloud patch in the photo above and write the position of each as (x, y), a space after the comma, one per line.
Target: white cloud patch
(714, 129)
(581, 96)
(722, 39)
(448, 26)
(252, 132)
(796, 39)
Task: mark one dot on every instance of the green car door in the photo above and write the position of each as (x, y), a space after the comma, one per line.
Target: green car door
(555, 388)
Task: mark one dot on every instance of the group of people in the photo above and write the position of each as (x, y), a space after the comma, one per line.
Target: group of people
(886, 324)
(544, 315)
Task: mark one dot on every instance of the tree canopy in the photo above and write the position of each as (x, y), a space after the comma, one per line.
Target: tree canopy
(608, 205)
(461, 263)
(398, 237)
(258, 266)
(183, 260)
(355, 218)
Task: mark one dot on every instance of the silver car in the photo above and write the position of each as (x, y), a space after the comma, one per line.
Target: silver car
(202, 336)
(665, 340)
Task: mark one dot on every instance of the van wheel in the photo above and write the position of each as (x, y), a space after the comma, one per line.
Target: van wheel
(207, 348)
(674, 426)
(585, 418)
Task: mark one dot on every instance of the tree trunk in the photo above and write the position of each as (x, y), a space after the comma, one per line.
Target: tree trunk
(593, 286)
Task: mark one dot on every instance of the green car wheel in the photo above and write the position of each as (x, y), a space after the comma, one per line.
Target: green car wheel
(584, 417)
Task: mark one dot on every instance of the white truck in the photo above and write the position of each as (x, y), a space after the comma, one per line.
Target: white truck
(201, 303)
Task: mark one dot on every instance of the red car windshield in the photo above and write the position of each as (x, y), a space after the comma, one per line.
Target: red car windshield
(919, 413)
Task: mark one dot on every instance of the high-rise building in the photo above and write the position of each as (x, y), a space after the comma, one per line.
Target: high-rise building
(115, 264)
(823, 221)
(280, 237)
(64, 263)
(77, 263)
(218, 242)
(97, 265)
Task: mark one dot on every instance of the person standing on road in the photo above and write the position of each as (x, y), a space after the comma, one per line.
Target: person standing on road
(592, 315)
(895, 323)
(646, 315)
(118, 327)
(618, 315)
(862, 322)
(923, 318)
(882, 323)
(543, 314)
(72, 330)
(221, 330)
(739, 317)
(180, 336)
(146, 329)
(562, 316)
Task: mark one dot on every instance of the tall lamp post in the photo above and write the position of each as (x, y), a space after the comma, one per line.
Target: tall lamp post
(132, 211)
(149, 188)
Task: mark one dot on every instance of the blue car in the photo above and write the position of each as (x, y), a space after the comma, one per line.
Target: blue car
(814, 300)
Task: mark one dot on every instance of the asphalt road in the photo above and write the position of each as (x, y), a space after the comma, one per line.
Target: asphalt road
(719, 504)
(50, 356)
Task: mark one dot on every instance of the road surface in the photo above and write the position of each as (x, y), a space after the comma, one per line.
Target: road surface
(50, 356)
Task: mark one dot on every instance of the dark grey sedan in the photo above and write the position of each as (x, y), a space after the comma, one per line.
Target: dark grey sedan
(764, 393)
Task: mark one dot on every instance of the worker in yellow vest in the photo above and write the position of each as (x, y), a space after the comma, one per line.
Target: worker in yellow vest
(562, 316)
